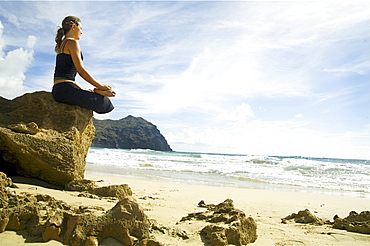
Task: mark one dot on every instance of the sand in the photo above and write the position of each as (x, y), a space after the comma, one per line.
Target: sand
(167, 203)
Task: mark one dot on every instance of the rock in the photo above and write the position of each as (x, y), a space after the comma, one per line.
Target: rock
(44, 139)
(170, 231)
(5, 183)
(81, 185)
(149, 242)
(202, 204)
(125, 222)
(238, 233)
(129, 133)
(45, 218)
(228, 225)
(91, 241)
(303, 216)
(354, 222)
(223, 212)
(177, 232)
(51, 233)
(119, 191)
(30, 128)
(215, 235)
(3, 223)
(128, 212)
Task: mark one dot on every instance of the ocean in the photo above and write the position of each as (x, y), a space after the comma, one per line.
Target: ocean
(286, 173)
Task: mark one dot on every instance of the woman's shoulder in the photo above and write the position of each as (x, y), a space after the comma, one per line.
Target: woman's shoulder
(70, 42)
(71, 45)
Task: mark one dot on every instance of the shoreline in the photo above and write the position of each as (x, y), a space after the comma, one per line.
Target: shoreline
(322, 176)
(254, 185)
(168, 202)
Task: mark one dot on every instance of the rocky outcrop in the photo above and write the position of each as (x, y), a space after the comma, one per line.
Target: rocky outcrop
(44, 139)
(46, 218)
(227, 224)
(119, 191)
(303, 216)
(354, 222)
(128, 133)
(5, 183)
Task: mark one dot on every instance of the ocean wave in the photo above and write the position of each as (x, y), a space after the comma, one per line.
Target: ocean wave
(329, 174)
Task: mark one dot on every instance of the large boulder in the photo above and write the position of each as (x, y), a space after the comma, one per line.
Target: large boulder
(42, 138)
(129, 133)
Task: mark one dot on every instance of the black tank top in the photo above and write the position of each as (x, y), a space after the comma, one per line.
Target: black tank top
(64, 67)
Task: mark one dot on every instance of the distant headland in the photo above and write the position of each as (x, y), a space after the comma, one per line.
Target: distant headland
(128, 133)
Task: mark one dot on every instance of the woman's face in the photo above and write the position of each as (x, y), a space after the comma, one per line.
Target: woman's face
(76, 31)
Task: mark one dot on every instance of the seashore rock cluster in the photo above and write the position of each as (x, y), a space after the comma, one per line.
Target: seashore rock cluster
(354, 222)
(227, 225)
(45, 218)
(303, 216)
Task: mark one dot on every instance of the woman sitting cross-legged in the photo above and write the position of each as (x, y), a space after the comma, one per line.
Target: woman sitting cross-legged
(68, 64)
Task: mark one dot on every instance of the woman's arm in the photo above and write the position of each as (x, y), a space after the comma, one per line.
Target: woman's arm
(74, 49)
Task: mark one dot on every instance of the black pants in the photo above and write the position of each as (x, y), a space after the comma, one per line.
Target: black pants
(68, 92)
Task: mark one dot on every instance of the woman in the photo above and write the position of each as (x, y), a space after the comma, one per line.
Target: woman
(68, 64)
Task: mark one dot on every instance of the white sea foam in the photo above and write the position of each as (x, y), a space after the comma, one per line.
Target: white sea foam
(337, 176)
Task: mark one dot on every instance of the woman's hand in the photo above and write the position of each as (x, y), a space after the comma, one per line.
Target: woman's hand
(104, 87)
(107, 93)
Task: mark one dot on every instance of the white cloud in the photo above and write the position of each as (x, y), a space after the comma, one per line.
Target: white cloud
(10, 17)
(221, 71)
(272, 138)
(240, 115)
(13, 65)
(2, 43)
(362, 68)
(274, 55)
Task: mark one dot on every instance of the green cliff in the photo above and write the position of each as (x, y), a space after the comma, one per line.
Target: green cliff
(128, 133)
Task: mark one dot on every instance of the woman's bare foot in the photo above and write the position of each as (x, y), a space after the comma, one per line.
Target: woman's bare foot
(105, 93)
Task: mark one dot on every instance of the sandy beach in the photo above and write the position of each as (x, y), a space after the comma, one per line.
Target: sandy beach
(167, 203)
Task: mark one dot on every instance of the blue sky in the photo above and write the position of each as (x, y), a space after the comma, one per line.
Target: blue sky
(247, 77)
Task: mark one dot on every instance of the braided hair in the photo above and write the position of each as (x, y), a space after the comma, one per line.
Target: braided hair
(62, 31)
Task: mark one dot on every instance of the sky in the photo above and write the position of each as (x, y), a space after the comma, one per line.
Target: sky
(282, 78)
